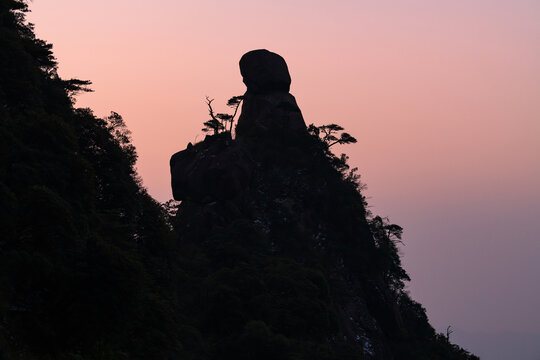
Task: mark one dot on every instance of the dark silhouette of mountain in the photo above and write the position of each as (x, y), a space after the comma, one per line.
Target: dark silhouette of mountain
(270, 255)
(287, 242)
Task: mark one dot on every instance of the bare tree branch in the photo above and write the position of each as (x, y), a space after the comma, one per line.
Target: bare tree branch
(449, 331)
(210, 110)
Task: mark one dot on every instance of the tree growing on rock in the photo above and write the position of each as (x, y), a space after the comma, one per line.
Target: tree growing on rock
(219, 122)
(328, 136)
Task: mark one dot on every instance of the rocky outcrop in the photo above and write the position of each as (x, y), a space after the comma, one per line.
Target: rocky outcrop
(282, 232)
(215, 169)
(268, 107)
(219, 167)
(264, 72)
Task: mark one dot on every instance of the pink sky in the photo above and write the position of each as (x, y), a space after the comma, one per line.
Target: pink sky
(443, 97)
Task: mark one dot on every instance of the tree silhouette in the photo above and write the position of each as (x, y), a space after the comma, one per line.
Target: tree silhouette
(90, 269)
(220, 121)
(327, 134)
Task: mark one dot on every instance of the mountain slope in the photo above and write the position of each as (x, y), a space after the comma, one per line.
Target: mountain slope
(281, 231)
(271, 254)
(78, 270)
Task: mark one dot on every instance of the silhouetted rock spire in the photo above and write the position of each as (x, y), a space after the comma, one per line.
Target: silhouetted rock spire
(220, 167)
(268, 109)
(264, 72)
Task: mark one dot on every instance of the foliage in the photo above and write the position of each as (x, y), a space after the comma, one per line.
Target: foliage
(91, 267)
(326, 136)
(219, 122)
(80, 235)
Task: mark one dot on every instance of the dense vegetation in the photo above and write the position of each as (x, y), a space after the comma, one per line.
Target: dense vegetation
(82, 243)
(91, 267)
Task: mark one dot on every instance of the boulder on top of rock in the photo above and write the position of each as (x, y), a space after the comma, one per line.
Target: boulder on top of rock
(264, 72)
(268, 108)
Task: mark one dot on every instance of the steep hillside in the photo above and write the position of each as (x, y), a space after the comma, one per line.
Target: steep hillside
(292, 261)
(270, 255)
(82, 244)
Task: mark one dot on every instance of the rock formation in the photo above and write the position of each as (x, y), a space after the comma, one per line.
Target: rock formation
(299, 268)
(218, 167)
(268, 256)
(268, 106)
(264, 72)
(215, 169)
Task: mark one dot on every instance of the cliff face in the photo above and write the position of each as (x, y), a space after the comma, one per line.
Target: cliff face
(296, 266)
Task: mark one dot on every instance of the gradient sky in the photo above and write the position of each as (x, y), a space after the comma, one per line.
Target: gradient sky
(443, 97)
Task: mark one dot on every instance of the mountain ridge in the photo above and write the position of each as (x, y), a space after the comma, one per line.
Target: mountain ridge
(305, 204)
(286, 266)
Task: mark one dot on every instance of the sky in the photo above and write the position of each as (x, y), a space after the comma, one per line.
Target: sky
(443, 97)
